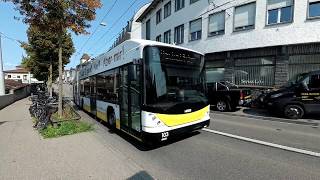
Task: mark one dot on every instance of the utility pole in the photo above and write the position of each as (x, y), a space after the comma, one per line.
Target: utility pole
(2, 87)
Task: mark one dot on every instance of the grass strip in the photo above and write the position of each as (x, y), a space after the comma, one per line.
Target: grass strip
(66, 128)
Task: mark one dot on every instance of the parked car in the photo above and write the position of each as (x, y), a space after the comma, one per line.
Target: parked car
(224, 96)
(299, 97)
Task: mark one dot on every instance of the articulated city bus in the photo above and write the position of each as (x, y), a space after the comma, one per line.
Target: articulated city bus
(150, 90)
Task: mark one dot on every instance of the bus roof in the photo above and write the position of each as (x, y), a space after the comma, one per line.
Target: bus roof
(156, 43)
(124, 53)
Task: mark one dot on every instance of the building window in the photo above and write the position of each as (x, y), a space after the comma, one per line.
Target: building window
(179, 4)
(158, 20)
(195, 29)
(215, 70)
(244, 17)
(179, 34)
(158, 38)
(148, 30)
(9, 76)
(256, 71)
(167, 10)
(18, 77)
(193, 1)
(24, 77)
(314, 9)
(279, 11)
(216, 23)
(167, 37)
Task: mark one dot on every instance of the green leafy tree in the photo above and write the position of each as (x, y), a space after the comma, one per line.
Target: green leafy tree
(42, 50)
(58, 16)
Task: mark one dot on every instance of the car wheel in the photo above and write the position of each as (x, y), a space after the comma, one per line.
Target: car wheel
(293, 111)
(222, 105)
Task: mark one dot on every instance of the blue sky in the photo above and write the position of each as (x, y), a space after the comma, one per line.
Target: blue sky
(12, 28)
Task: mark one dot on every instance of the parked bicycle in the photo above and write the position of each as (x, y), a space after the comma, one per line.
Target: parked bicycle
(42, 108)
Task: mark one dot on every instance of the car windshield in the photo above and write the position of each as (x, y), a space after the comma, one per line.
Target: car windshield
(295, 79)
(175, 79)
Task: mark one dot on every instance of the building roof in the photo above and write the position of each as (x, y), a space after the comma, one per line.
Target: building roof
(153, 5)
(19, 70)
(12, 84)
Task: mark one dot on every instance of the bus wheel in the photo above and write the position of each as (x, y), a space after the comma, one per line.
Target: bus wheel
(293, 111)
(112, 119)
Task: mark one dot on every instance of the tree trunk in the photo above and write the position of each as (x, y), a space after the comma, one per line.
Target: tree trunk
(50, 80)
(60, 82)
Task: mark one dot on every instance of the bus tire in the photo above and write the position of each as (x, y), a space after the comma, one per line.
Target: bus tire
(111, 118)
(82, 104)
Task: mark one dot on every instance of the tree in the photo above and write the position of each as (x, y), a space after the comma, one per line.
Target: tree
(58, 16)
(42, 50)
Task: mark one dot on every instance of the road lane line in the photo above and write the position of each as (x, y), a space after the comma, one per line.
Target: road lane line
(301, 151)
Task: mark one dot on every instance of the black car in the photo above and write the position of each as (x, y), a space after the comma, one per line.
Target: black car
(224, 96)
(298, 98)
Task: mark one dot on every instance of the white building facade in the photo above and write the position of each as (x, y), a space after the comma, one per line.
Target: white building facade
(247, 42)
(22, 75)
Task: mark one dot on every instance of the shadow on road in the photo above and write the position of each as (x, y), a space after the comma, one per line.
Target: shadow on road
(142, 175)
(149, 147)
(266, 113)
(2, 122)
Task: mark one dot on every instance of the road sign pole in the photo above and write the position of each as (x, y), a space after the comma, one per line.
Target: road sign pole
(2, 87)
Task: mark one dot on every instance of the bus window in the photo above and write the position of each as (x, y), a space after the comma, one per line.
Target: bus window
(86, 87)
(92, 86)
(81, 88)
(107, 85)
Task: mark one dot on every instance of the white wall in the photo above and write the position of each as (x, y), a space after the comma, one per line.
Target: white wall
(299, 31)
(136, 26)
(16, 95)
(19, 76)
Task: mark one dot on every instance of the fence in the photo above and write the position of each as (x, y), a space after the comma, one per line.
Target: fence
(14, 96)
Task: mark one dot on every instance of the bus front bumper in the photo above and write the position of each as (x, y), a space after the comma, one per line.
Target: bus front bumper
(164, 136)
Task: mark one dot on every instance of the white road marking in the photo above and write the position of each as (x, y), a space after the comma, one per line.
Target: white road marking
(302, 151)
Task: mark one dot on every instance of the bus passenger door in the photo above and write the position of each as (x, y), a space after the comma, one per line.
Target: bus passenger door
(129, 92)
(135, 97)
(93, 99)
(123, 97)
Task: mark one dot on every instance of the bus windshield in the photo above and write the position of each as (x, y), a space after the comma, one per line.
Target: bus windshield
(175, 80)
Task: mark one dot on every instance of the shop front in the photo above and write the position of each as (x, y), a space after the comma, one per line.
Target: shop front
(263, 67)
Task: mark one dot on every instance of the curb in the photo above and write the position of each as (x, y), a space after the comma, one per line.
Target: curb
(315, 124)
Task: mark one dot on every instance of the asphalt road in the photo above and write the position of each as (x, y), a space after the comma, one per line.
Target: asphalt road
(204, 155)
(289, 134)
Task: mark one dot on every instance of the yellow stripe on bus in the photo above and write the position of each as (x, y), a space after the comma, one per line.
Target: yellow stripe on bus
(102, 115)
(178, 119)
(87, 108)
(118, 123)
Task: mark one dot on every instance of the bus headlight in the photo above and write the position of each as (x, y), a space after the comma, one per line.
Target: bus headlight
(152, 121)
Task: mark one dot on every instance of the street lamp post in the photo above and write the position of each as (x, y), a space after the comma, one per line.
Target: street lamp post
(2, 87)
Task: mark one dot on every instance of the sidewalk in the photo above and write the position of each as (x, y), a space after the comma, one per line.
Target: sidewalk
(265, 115)
(24, 154)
